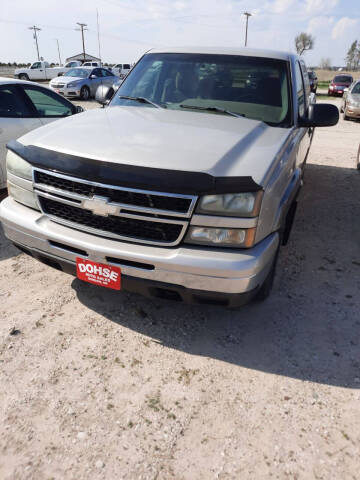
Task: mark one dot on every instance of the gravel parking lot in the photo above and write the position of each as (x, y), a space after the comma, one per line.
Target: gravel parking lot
(105, 385)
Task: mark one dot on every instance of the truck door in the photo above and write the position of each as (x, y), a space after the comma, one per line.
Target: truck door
(38, 71)
(16, 119)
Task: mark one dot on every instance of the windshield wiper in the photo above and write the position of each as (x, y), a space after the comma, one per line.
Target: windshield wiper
(212, 109)
(140, 100)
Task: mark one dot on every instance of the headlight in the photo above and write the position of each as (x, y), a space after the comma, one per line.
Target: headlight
(73, 84)
(221, 237)
(17, 166)
(232, 204)
(26, 197)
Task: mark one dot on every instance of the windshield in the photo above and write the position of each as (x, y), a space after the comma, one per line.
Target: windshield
(253, 87)
(77, 72)
(342, 79)
(356, 88)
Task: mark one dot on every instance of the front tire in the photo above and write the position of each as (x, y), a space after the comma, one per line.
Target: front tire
(23, 76)
(84, 93)
(345, 116)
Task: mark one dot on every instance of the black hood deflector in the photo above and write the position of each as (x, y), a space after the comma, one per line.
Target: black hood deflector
(122, 175)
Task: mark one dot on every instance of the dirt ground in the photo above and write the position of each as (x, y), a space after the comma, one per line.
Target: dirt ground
(103, 385)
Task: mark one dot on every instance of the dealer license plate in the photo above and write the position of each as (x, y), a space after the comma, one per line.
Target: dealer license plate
(98, 273)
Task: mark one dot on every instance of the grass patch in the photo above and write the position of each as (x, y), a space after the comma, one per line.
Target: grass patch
(324, 84)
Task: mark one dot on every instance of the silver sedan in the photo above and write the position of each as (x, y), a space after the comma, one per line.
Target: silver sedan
(350, 104)
(82, 82)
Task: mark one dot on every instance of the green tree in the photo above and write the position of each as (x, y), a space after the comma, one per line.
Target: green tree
(353, 56)
(304, 41)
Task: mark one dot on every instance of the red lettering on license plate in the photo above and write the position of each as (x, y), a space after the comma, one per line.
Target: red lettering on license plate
(98, 273)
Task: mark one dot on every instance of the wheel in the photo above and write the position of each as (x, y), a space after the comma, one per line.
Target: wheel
(84, 93)
(23, 76)
(345, 116)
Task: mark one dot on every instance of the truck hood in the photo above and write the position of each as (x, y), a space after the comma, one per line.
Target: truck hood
(219, 145)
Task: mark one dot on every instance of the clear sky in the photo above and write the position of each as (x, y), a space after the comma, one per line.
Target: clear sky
(130, 27)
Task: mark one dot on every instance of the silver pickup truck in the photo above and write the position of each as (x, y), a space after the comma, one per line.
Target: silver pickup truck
(183, 187)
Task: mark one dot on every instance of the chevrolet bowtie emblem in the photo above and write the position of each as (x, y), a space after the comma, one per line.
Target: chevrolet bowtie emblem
(100, 206)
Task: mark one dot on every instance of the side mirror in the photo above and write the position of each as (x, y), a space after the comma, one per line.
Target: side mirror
(92, 76)
(346, 90)
(320, 115)
(79, 109)
(60, 74)
(103, 94)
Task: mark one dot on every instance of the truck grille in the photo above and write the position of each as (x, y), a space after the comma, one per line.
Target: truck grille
(161, 232)
(125, 196)
(115, 212)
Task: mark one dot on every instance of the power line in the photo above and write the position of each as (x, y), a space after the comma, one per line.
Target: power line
(36, 29)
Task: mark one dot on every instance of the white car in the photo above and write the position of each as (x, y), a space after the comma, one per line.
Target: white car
(25, 106)
(121, 69)
(43, 71)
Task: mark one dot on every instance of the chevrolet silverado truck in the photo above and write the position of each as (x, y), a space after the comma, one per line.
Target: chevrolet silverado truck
(184, 187)
(43, 71)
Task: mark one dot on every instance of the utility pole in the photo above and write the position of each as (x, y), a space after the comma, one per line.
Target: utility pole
(57, 41)
(98, 34)
(82, 28)
(36, 29)
(247, 14)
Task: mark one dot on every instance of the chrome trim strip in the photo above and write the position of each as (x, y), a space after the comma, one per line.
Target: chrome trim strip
(120, 215)
(105, 234)
(223, 222)
(188, 214)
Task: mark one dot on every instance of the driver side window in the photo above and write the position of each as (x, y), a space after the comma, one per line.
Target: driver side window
(300, 90)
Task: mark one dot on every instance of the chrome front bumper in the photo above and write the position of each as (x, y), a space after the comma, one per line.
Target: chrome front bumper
(204, 269)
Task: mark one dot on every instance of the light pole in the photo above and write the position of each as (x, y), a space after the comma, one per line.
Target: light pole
(247, 14)
(36, 29)
(57, 41)
(82, 28)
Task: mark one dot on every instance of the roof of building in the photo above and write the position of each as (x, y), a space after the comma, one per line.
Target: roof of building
(80, 56)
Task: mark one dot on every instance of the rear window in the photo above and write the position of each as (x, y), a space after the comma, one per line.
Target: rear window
(343, 79)
(253, 87)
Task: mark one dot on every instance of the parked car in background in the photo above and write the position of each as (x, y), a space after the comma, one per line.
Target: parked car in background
(183, 188)
(313, 81)
(350, 104)
(121, 69)
(82, 82)
(91, 64)
(25, 106)
(43, 71)
(339, 83)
